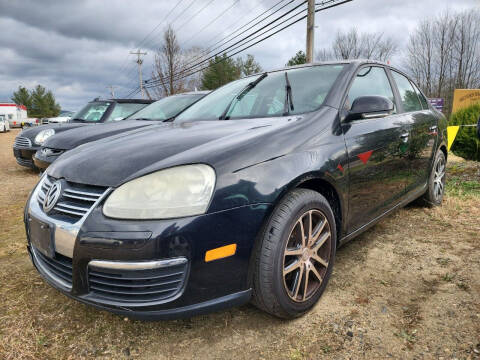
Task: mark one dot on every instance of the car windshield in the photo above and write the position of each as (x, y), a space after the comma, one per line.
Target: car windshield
(166, 108)
(92, 112)
(123, 110)
(309, 86)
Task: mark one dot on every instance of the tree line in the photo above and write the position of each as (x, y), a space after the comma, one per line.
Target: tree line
(39, 101)
(443, 53)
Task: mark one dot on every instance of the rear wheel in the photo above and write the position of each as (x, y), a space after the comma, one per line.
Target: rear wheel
(295, 256)
(436, 181)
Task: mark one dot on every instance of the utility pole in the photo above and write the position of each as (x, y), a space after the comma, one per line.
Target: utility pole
(112, 90)
(139, 62)
(310, 30)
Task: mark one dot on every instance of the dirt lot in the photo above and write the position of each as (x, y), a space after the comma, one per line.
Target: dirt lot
(407, 289)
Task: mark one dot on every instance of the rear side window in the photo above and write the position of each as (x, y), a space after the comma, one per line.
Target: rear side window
(408, 96)
(370, 81)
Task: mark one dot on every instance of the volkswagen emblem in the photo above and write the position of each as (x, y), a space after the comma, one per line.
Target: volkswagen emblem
(52, 196)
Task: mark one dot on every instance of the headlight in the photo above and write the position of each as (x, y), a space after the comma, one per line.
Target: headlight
(43, 135)
(175, 192)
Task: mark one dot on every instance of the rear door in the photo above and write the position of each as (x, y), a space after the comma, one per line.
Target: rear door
(421, 125)
(377, 170)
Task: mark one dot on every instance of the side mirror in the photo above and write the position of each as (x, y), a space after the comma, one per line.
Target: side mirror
(367, 107)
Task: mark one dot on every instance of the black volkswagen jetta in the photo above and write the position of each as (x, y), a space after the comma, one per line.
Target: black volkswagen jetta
(245, 196)
(165, 109)
(29, 141)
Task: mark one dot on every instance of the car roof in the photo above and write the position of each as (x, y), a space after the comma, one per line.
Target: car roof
(354, 62)
(128, 101)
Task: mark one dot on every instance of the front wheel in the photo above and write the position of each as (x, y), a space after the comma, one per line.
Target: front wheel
(295, 256)
(436, 181)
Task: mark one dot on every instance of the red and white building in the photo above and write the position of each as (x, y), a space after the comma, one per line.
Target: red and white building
(15, 114)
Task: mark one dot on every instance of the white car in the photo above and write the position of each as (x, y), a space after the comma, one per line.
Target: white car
(58, 119)
(4, 124)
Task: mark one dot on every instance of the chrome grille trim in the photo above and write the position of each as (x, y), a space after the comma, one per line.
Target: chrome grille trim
(69, 203)
(137, 283)
(22, 141)
(65, 231)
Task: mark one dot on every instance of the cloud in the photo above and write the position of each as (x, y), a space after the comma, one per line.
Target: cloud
(77, 48)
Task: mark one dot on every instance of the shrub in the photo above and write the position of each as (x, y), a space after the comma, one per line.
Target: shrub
(466, 144)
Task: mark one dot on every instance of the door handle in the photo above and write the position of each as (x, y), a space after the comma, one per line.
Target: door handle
(404, 137)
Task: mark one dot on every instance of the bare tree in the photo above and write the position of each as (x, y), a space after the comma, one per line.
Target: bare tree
(443, 54)
(354, 45)
(170, 69)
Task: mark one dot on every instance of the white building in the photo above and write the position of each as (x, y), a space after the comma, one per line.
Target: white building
(15, 114)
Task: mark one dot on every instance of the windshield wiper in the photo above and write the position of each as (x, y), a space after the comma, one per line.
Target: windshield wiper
(288, 97)
(239, 97)
(79, 120)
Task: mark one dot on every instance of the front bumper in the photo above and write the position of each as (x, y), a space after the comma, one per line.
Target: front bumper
(24, 156)
(203, 287)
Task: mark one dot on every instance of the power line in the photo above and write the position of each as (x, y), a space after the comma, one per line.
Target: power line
(194, 15)
(335, 3)
(234, 47)
(210, 50)
(236, 30)
(235, 2)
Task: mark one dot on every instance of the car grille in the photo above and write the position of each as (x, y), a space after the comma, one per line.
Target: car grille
(134, 287)
(75, 201)
(21, 141)
(60, 266)
(24, 162)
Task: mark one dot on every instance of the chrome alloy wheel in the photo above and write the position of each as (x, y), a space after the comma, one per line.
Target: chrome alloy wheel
(306, 255)
(439, 179)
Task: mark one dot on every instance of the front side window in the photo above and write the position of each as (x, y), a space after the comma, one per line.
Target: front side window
(408, 95)
(309, 88)
(124, 110)
(422, 98)
(167, 107)
(92, 112)
(370, 81)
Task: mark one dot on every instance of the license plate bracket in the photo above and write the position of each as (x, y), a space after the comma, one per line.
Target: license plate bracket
(41, 236)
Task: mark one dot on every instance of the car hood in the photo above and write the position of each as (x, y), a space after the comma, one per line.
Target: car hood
(227, 145)
(77, 137)
(59, 127)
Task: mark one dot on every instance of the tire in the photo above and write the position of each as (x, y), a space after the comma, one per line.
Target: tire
(436, 181)
(282, 294)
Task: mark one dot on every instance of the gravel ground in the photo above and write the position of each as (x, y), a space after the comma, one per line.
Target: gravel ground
(409, 288)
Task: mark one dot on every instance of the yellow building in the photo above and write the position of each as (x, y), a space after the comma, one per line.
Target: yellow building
(465, 97)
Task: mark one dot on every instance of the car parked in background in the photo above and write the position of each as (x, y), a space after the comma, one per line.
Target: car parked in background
(160, 111)
(244, 197)
(4, 124)
(29, 141)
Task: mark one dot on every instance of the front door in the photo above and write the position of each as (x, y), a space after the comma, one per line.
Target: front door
(377, 168)
(422, 132)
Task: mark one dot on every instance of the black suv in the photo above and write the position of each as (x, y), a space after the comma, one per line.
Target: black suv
(97, 111)
(244, 197)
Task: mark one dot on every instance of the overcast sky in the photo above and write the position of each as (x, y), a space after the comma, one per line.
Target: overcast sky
(78, 47)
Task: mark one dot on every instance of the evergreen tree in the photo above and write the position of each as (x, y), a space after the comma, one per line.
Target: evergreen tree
(220, 71)
(249, 66)
(22, 97)
(43, 103)
(299, 58)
